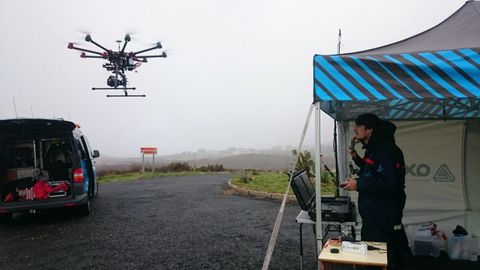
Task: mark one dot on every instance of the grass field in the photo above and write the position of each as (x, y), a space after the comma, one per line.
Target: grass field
(273, 182)
(129, 176)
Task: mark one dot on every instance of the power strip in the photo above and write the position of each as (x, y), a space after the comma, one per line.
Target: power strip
(354, 247)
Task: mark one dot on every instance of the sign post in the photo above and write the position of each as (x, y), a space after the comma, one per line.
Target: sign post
(148, 150)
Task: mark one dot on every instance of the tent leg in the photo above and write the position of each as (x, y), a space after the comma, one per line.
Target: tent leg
(318, 186)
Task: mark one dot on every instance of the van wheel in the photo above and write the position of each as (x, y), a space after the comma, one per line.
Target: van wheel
(84, 209)
(96, 189)
(93, 192)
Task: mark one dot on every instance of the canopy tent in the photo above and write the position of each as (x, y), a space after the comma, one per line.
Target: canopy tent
(427, 84)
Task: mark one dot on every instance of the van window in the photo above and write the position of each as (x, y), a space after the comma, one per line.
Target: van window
(81, 149)
(20, 155)
(55, 151)
(86, 145)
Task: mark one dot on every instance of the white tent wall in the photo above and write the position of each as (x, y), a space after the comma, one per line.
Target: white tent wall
(472, 175)
(443, 175)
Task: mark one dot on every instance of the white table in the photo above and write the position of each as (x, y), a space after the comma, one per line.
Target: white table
(372, 258)
(304, 218)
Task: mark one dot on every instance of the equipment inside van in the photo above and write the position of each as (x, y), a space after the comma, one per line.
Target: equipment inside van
(45, 164)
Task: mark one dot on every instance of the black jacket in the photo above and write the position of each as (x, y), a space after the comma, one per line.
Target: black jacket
(381, 183)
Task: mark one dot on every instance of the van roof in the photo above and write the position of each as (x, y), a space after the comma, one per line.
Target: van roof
(34, 123)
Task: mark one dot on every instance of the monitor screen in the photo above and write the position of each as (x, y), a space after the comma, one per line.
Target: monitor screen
(303, 189)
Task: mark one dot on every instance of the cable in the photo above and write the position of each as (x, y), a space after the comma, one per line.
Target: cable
(278, 221)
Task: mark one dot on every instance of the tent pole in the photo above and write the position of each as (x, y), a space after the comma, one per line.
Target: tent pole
(342, 154)
(318, 186)
(466, 198)
(335, 152)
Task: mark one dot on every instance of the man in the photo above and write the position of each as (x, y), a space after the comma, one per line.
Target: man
(380, 186)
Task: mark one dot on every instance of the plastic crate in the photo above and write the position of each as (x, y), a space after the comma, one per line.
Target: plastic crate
(426, 247)
(463, 248)
(422, 242)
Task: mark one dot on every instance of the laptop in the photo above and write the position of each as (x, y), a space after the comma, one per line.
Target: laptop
(339, 209)
(304, 192)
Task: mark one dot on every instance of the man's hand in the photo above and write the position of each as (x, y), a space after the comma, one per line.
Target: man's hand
(350, 184)
(351, 148)
(352, 152)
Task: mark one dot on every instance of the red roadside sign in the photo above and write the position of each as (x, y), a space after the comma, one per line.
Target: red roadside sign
(148, 150)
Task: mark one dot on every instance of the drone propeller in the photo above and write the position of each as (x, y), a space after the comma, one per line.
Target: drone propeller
(132, 32)
(169, 51)
(83, 33)
(82, 30)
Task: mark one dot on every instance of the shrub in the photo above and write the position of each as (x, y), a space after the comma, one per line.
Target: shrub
(135, 167)
(211, 168)
(305, 161)
(246, 178)
(178, 166)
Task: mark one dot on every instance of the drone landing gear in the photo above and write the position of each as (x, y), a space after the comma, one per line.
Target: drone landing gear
(110, 88)
(126, 95)
(124, 90)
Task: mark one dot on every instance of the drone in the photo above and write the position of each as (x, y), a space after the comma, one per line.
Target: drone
(118, 63)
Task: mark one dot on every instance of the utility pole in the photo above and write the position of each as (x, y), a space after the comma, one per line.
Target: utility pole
(335, 146)
(339, 44)
(15, 107)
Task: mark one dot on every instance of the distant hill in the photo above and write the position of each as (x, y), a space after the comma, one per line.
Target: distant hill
(270, 159)
(243, 161)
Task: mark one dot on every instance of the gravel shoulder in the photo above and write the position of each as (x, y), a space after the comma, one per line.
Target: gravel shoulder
(183, 222)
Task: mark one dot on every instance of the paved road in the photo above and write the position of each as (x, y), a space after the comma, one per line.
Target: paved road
(165, 223)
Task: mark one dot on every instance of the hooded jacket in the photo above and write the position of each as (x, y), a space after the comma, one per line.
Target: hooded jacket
(381, 183)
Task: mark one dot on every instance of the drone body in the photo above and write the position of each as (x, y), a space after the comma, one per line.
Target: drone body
(118, 63)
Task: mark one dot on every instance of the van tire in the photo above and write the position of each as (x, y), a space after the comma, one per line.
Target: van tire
(93, 192)
(85, 209)
(96, 189)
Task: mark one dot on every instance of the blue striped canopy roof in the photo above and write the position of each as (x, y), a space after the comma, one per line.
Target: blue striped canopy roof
(424, 82)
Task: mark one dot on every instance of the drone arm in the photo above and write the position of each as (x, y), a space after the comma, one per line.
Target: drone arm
(158, 46)
(124, 45)
(127, 39)
(98, 45)
(164, 55)
(70, 46)
(90, 56)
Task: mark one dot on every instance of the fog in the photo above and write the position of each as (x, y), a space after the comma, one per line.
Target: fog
(238, 73)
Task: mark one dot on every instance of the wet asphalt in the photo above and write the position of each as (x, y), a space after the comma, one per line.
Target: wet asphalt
(184, 222)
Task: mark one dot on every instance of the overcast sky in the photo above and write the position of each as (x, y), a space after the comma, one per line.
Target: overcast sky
(238, 74)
